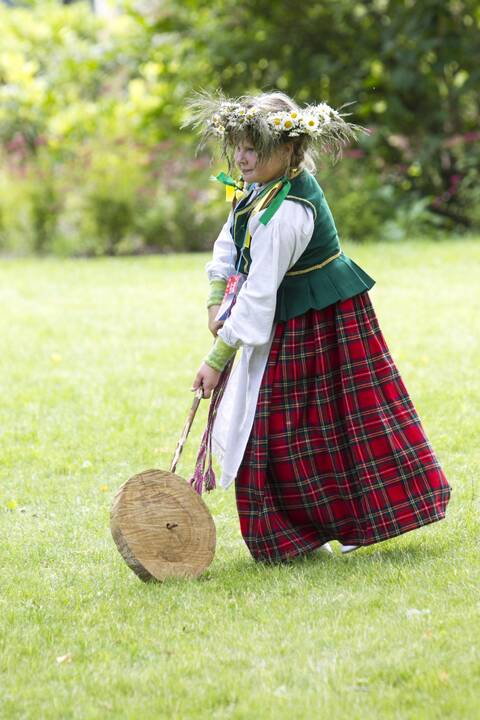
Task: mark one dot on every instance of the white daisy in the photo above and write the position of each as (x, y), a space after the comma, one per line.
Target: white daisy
(310, 122)
(276, 121)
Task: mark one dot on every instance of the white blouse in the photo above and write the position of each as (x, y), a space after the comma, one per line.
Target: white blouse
(275, 247)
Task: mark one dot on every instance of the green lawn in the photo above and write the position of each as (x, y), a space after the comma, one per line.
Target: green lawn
(96, 362)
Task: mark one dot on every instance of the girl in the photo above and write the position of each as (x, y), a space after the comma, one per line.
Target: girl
(314, 424)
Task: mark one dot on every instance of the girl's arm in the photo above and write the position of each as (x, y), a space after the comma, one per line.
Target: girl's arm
(222, 263)
(218, 270)
(275, 248)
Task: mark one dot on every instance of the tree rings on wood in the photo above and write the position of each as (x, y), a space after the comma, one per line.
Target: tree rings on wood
(162, 527)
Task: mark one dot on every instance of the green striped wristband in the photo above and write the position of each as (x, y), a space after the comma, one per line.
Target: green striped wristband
(217, 291)
(219, 355)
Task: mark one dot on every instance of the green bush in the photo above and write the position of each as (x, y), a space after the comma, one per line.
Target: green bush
(88, 165)
(356, 197)
(110, 199)
(368, 203)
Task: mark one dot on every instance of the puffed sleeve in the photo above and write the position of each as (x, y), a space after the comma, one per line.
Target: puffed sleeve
(275, 247)
(222, 264)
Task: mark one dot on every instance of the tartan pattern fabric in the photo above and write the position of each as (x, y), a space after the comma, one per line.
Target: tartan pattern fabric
(337, 450)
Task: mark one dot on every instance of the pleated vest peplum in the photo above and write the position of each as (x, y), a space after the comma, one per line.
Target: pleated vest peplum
(306, 286)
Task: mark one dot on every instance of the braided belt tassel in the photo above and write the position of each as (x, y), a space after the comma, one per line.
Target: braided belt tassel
(206, 478)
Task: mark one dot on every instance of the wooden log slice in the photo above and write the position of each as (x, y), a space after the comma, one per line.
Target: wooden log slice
(162, 527)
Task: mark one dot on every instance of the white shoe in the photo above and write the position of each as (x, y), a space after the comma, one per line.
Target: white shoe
(349, 548)
(326, 549)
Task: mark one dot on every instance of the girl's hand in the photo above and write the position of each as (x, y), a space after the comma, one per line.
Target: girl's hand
(213, 325)
(207, 378)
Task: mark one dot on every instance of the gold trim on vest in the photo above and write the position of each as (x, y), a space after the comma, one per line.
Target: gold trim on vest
(315, 267)
(303, 200)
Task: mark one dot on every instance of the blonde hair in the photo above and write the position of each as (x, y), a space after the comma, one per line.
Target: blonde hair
(303, 155)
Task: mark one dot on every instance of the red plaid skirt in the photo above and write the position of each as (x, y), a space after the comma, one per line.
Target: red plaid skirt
(337, 450)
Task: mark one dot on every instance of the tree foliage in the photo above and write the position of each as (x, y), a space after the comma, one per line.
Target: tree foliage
(90, 113)
(411, 69)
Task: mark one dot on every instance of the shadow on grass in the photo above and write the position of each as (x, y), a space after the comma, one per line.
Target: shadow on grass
(234, 571)
(242, 574)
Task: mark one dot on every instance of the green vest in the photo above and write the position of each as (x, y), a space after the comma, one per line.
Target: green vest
(339, 279)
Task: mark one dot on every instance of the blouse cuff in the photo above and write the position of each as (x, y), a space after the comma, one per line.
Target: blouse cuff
(217, 291)
(220, 354)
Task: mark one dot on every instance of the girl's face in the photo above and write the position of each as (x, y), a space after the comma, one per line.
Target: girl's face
(261, 172)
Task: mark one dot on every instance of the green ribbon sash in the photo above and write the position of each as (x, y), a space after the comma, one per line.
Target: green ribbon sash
(277, 201)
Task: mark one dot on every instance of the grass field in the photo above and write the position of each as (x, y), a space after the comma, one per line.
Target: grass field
(96, 362)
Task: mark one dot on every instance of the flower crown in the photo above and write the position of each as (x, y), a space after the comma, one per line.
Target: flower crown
(312, 121)
(320, 127)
